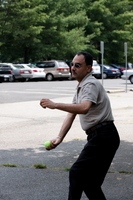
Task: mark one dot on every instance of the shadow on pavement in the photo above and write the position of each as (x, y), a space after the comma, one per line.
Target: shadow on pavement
(27, 183)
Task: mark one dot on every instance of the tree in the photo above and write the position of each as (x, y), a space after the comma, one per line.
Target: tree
(32, 30)
(109, 21)
(20, 27)
(39, 29)
(63, 34)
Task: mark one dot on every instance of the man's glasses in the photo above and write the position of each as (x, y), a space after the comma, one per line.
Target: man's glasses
(77, 65)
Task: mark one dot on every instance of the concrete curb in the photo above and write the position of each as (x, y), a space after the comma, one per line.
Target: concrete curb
(114, 91)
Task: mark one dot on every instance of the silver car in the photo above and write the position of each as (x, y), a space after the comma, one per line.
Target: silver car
(55, 69)
(128, 75)
(37, 73)
(18, 72)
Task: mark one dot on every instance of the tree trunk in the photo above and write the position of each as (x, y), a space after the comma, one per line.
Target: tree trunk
(26, 55)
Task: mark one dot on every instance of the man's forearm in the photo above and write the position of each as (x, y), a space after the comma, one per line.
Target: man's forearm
(81, 108)
(66, 125)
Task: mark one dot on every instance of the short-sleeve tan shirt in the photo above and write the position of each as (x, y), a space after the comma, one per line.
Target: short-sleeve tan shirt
(92, 90)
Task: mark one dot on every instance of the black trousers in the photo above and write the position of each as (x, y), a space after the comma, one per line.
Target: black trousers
(88, 172)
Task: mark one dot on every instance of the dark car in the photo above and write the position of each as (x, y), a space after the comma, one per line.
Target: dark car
(120, 68)
(5, 74)
(129, 65)
(1, 79)
(110, 72)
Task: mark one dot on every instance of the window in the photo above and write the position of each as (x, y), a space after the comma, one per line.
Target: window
(46, 64)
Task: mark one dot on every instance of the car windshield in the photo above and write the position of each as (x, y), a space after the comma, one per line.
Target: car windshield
(108, 67)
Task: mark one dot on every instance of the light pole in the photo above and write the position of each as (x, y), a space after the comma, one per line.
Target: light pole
(102, 52)
(125, 51)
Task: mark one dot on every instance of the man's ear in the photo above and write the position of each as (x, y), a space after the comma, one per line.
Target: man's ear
(89, 68)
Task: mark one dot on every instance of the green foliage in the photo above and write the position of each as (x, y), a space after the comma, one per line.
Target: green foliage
(39, 29)
(32, 30)
(62, 27)
(109, 21)
(20, 27)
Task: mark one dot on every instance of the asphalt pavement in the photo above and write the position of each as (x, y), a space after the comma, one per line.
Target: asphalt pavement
(25, 126)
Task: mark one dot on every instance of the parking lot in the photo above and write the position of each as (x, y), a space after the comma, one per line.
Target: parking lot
(35, 90)
(25, 126)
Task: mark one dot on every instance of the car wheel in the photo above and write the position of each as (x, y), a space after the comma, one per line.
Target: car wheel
(24, 79)
(131, 79)
(104, 75)
(12, 79)
(49, 77)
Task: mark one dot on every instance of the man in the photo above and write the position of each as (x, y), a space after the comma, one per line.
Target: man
(93, 106)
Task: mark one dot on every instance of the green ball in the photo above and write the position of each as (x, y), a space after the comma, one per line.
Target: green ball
(47, 144)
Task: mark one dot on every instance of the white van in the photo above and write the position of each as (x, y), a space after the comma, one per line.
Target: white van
(96, 69)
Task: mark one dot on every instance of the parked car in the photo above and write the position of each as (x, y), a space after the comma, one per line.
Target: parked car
(1, 79)
(128, 74)
(5, 74)
(37, 72)
(109, 72)
(55, 69)
(120, 68)
(96, 69)
(129, 65)
(18, 72)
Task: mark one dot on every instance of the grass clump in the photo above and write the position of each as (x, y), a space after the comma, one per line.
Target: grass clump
(40, 166)
(9, 165)
(125, 172)
(67, 169)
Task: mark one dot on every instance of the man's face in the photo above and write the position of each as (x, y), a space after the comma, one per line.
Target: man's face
(79, 68)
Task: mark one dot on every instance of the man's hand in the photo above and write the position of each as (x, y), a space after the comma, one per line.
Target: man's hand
(54, 143)
(47, 103)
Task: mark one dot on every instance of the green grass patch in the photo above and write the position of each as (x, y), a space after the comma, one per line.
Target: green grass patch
(40, 166)
(67, 169)
(125, 172)
(9, 165)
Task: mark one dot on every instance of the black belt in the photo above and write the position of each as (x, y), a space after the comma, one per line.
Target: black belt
(90, 130)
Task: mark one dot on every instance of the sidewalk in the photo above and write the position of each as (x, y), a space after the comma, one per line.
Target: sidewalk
(24, 129)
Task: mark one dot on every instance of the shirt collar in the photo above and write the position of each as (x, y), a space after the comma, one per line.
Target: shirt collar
(84, 80)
